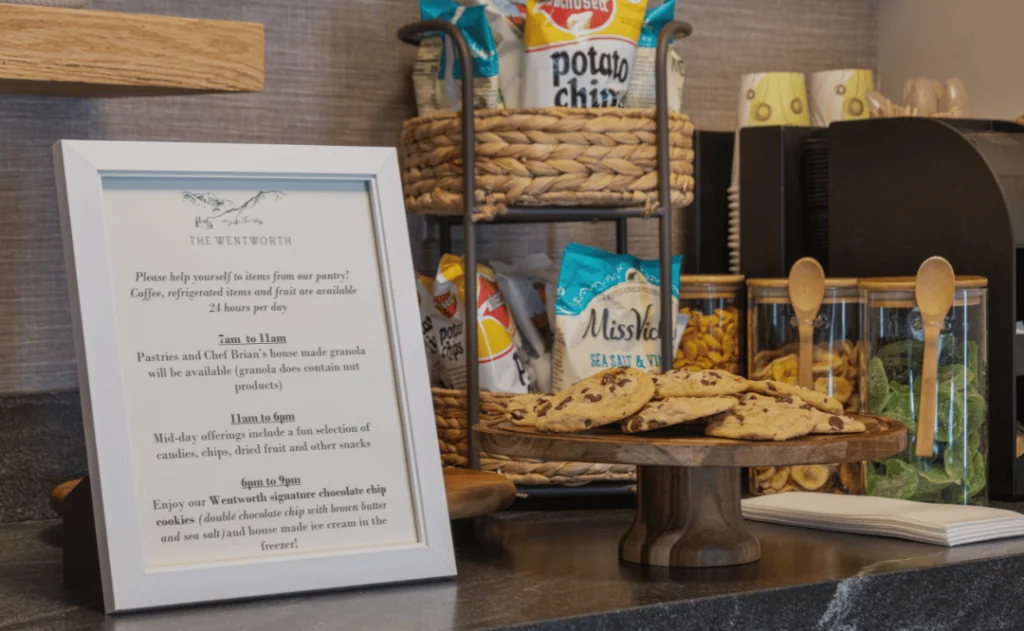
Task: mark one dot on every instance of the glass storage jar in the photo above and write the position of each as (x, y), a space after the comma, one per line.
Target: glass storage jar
(956, 472)
(773, 341)
(709, 317)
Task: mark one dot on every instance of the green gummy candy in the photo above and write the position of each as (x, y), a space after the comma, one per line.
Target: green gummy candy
(975, 473)
(954, 377)
(955, 461)
(931, 484)
(975, 412)
(902, 407)
(878, 386)
(973, 440)
(898, 481)
(950, 417)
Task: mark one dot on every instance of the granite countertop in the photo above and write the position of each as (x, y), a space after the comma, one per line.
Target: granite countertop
(559, 570)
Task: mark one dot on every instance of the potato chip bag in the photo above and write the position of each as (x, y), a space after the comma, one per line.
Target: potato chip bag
(580, 53)
(503, 364)
(641, 92)
(527, 293)
(437, 73)
(608, 313)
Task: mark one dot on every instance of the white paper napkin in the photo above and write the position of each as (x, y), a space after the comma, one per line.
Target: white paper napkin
(937, 524)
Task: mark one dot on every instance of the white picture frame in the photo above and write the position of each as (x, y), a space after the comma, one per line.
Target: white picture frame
(84, 171)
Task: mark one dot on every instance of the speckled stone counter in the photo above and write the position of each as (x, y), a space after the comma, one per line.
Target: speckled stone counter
(559, 571)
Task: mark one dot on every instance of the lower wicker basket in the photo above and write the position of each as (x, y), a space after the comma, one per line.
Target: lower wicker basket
(450, 416)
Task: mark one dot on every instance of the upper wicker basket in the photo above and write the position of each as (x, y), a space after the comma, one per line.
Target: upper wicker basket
(545, 157)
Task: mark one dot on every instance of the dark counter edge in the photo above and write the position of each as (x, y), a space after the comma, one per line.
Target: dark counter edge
(984, 594)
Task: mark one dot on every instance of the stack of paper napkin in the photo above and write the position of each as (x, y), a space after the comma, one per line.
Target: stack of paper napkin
(938, 524)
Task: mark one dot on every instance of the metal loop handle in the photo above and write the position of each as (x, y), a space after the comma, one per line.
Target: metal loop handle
(411, 33)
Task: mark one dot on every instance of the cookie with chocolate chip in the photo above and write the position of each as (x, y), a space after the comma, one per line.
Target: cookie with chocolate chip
(825, 423)
(700, 383)
(607, 397)
(777, 426)
(525, 409)
(816, 399)
(667, 412)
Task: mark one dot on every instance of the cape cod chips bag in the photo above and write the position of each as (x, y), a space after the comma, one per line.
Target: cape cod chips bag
(503, 364)
(641, 88)
(428, 313)
(607, 313)
(580, 53)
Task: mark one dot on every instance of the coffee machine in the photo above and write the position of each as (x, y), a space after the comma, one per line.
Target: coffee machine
(901, 190)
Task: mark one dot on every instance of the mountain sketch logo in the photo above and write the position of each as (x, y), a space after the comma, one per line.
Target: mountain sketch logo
(226, 212)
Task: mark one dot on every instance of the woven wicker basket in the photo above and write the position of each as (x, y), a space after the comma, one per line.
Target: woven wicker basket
(450, 416)
(545, 157)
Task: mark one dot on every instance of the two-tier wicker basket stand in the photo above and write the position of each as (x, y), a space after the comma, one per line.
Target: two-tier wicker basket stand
(411, 34)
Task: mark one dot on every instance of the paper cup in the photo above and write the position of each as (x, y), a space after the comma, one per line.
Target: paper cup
(839, 95)
(773, 98)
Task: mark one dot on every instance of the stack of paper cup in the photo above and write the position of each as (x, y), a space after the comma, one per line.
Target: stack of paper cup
(839, 95)
(766, 98)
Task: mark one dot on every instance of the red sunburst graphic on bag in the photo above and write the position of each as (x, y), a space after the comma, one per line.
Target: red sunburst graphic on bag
(488, 289)
(578, 16)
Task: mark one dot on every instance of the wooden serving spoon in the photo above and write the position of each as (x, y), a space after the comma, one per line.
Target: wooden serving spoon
(936, 285)
(806, 290)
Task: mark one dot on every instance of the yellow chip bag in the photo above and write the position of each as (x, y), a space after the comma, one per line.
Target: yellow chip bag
(503, 366)
(580, 53)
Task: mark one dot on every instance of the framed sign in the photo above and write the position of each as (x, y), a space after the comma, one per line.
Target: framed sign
(255, 392)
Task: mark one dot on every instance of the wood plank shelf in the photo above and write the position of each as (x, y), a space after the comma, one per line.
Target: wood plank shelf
(75, 52)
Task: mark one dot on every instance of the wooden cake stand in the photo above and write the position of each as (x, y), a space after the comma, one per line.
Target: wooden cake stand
(688, 485)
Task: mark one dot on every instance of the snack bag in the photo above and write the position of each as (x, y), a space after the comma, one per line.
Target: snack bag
(503, 364)
(437, 73)
(527, 296)
(607, 313)
(506, 18)
(425, 296)
(641, 88)
(580, 53)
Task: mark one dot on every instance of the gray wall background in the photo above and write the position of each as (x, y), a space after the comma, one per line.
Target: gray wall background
(336, 75)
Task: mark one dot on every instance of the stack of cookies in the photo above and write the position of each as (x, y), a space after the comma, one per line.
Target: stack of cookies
(726, 405)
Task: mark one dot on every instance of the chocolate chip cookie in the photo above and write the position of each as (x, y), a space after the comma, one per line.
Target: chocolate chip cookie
(525, 409)
(701, 383)
(667, 412)
(818, 400)
(825, 423)
(607, 397)
(777, 425)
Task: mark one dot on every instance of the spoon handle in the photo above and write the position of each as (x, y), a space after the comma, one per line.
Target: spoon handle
(926, 420)
(806, 354)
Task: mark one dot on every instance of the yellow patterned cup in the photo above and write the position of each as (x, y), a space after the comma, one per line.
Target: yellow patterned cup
(773, 98)
(839, 95)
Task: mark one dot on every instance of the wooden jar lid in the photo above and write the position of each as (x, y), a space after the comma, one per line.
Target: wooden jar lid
(711, 279)
(907, 283)
(783, 283)
(708, 286)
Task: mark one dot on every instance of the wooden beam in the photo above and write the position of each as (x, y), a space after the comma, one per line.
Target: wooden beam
(73, 52)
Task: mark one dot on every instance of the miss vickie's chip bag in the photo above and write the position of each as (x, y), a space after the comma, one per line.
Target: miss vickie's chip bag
(580, 53)
(503, 364)
(607, 313)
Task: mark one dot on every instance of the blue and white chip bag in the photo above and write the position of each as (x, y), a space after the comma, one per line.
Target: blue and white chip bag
(641, 89)
(607, 313)
(437, 73)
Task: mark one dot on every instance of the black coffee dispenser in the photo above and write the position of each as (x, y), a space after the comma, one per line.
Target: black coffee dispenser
(903, 189)
(898, 191)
